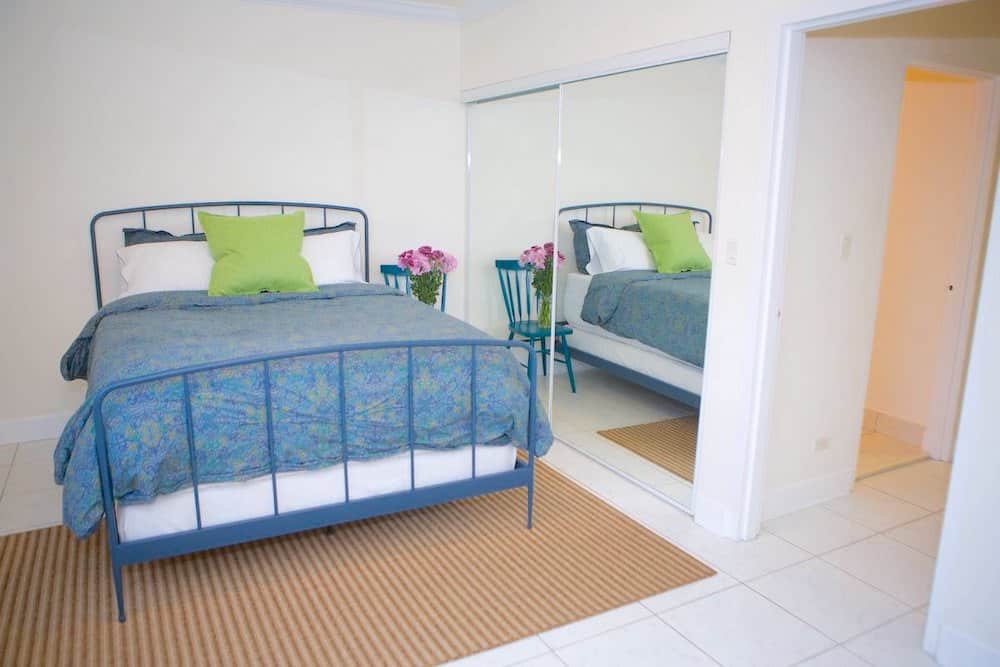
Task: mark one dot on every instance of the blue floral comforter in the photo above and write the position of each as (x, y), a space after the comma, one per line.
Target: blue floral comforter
(668, 311)
(146, 429)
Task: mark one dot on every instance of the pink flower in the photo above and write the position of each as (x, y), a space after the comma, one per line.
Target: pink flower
(426, 259)
(448, 263)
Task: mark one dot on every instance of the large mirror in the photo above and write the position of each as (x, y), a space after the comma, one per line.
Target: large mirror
(512, 202)
(637, 192)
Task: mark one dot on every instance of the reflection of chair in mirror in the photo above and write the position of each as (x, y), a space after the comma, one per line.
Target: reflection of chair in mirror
(518, 297)
(399, 278)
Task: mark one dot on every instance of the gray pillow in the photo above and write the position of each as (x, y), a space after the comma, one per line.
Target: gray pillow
(134, 236)
(580, 247)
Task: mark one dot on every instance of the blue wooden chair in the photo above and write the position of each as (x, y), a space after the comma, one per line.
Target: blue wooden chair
(518, 299)
(398, 278)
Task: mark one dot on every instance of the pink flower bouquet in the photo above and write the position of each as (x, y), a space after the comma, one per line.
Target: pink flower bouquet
(544, 261)
(427, 267)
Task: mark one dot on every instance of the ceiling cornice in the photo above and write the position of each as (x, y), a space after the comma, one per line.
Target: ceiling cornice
(418, 11)
(407, 9)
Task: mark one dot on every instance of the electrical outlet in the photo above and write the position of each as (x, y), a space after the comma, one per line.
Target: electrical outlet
(822, 444)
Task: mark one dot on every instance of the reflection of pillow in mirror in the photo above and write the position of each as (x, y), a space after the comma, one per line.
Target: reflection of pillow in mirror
(673, 242)
(708, 243)
(618, 250)
(581, 246)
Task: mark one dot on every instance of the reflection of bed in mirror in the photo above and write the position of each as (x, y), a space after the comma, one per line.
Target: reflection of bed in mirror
(672, 364)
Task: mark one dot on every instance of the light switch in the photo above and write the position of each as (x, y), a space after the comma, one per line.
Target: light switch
(845, 246)
(732, 251)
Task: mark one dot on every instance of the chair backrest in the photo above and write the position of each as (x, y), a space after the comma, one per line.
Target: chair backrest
(399, 278)
(515, 285)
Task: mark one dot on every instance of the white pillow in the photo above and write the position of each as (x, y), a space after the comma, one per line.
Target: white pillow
(617, 250)
(708, 244)
(167, 265)
(334, 258)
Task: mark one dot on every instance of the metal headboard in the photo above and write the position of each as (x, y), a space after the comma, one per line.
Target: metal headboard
(613, 206)
(318, 216)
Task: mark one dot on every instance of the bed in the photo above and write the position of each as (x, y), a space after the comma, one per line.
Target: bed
(211, 421)
(665, 356)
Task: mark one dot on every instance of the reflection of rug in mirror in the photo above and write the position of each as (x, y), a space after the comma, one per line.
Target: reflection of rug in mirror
(414, 588)
(669, 443)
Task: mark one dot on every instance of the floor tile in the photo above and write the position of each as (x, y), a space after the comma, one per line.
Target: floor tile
(740, 627)
(923, 534)
(838, 657)
(28, 510)
(817, 529)
(892, 567)
(544, 660)
(879, 451)
(894, 644)
(594, 625)
(503, 656)
(649, 642)
(684, 594)
(830, 600)
(7, 454)
(874, 509)
(741, 559)
(922, 484)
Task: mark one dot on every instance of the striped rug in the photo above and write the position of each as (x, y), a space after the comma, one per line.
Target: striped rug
(416, 588)
(669, 443)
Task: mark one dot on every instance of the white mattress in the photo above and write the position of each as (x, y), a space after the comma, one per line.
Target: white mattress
(626, 352)
(224, 502)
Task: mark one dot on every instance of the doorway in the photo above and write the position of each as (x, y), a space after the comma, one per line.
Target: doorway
(929, 268)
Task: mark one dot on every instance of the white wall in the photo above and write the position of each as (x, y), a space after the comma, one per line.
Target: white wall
(931, 213)
(852, 91)
(963, 626)
(529, 37)
(110, 104)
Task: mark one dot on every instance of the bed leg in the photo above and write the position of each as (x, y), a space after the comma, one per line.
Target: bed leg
(116, 573)
(531, 500)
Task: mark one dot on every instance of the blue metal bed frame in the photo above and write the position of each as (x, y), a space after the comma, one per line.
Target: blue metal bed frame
(192, 208)
(280, 523)
(653, 384)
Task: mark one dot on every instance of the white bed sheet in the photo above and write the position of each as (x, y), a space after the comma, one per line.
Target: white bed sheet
(224, 502)
(626, 352)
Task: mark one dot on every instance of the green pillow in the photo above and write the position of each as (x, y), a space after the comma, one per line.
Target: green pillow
(256, 254)
(673, 242)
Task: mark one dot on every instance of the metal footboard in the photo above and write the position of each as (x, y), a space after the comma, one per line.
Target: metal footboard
(283, 523)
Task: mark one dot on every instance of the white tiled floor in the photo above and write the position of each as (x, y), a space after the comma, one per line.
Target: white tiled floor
(603, 401)
(841, 585)
(879, 452)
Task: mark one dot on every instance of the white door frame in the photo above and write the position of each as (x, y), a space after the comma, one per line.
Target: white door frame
(791, 60)
(946, 400)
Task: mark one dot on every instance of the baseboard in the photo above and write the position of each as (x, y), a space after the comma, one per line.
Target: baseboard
(956, 648)
(895, 427)
(870, 419)
(33, 428)
(806, 493)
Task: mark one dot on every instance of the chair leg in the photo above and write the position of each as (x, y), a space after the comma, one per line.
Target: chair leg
(569, 362)
(545, 353)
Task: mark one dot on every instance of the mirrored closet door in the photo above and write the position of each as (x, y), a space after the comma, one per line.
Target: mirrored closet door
(637, 190)
(512, 204)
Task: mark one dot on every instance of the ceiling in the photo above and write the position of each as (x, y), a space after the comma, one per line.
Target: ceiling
(425, 10)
